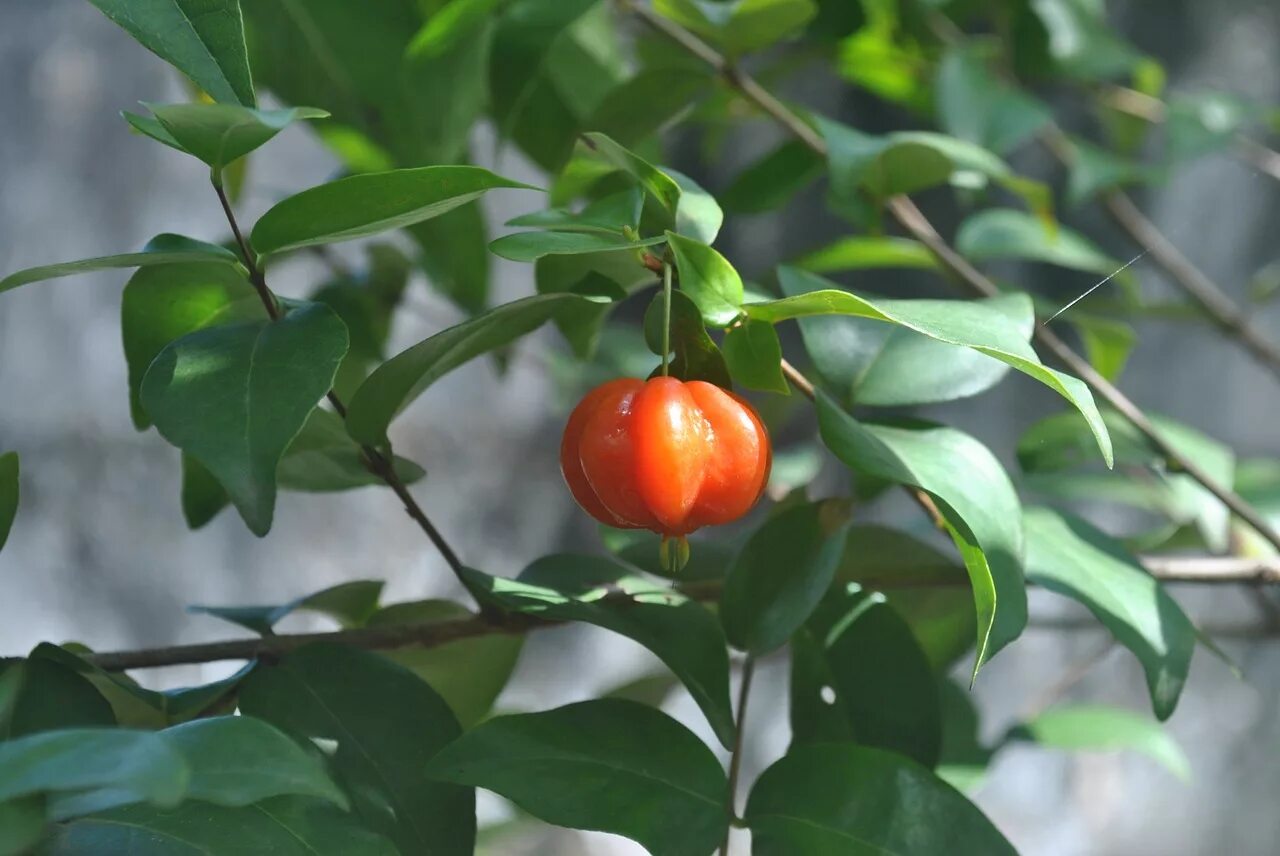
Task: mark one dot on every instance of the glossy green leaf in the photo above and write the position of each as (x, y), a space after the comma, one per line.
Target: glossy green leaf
(219, 134)
(781, 574)
(929, 590)
(838, 798)
(9, 492)
(975, 104)
(740, 26)
(283, 826)
(610, 215)
(234, 397)
(455, 255)
(611, 275)
(41, 695)
(953, 322)
(401, 379)
(708, 559)
(202, 495)
(708, 279)
(771, 181)
(609, 765)
(869, 362)
(1108, 343)
(161, 250)
(531, 246)
(239, 760)
(1097, 728)
(384, 724)
(698, 215)
(164, 303)
(350, 604)
(129, 766)
(754, 356)
(695, 355)
(973, 494)
(679, 631)
(324, 458)
(1003, 233)
(861, 252)
(1070, 557)
(362, 205)
(879, 679)
(662, 187)
(467, 673)
(203, 39)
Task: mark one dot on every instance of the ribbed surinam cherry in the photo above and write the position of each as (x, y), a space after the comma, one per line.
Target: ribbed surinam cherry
(666, 455)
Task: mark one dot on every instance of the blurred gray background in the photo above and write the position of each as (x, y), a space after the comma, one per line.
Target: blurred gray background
(99, 553)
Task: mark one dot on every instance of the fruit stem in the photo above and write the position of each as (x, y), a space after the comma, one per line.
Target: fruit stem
(666, 317)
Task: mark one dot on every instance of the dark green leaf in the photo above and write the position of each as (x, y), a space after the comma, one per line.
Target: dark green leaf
(861, 252)
(400, 380)
(1072, 558)
(656, 183)
(1098, 728)
(679, 631)
(455, 255)
(741, 26)
(467, 673)
(611, 215)
(453, 21)
(975, 104)
(665, 93)
(161, 250)
(696, 356)
(202, 495)
(219, 134)
(964, 757)
(350, 604)
(284, 826)
(771, 181)
(22, 825)
(203, 39)
(754, 356)
(708, 560)
(838, 798)
(9, 490)
(530, 246)
(1003, 233)
(781, 575)
(366, 204)
(323, 457)
(608, 765)
(1094, 170)
(234, 398)
(239, 760)
(41, 695)
(385, 724)
(972, 492)
(708, 279)
(165, 303)
(975, 325)
(605, 275)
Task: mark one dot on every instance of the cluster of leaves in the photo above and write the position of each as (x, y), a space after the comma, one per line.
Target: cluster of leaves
(342, 750)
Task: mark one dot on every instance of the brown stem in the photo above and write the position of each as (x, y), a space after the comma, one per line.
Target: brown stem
(377, 462)
(735, 760)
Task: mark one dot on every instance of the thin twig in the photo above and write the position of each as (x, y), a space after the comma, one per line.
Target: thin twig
(378, 463)
(913, 220)
(735, 760)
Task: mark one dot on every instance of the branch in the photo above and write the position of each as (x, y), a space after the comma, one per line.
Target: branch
(913, 220)
(735, 759)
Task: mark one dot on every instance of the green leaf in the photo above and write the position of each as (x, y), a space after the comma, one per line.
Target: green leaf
(954, 322)
(610, 215)
(219, 134)
(1081, 42)
(165, 303)
(1003, 233)
(284, 826)
(362, 205)
(234, 398)
(350, 604)
(202, 495)
(454, 20)
(531, 246)
(740, 26)
(964, 756)
(929, 590)
(679, 631)
(868, 362)
(455, 255)
(610, 275)
(975, 104)
(608, 765)
(781, 574)
(467, 673)
(696, 355)
(323, 458)
(1070, 557)
(708, 279)
(754, 356)
(22, 825)
(384, 724)
(41, 695)
(655, 182)
(1098, 728)
(161, 250)
(239, 760)
(879, 679)
(126, 765)
(1265, 283)
(973, 494)
(401, 379)
(698, 215)
(773, 180)
(203, 39)
(9, 491)
(1107, 343)
(1095, 170)
(861, 252)
(838, 798)
(666, 93)
(1203, 123)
